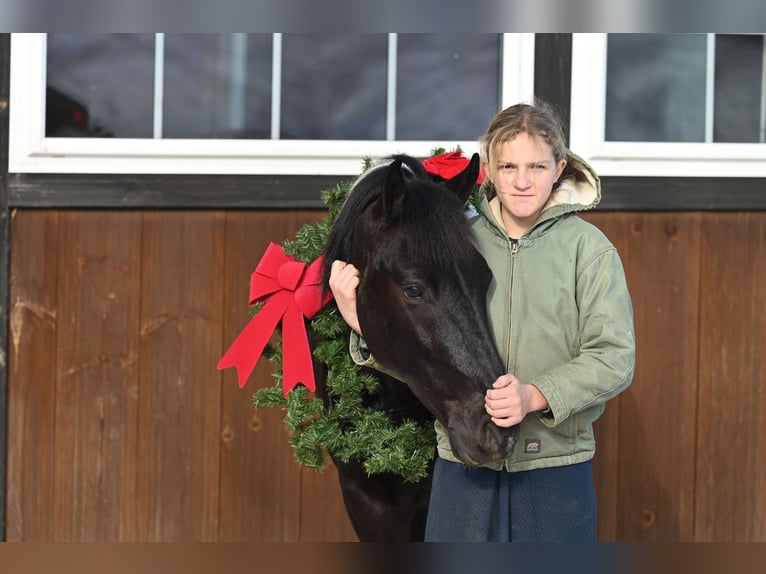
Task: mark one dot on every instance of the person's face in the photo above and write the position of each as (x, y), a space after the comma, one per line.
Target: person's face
(525, 173)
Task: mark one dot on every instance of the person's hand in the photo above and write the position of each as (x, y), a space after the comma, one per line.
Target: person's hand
(344, 280)
(509, 401)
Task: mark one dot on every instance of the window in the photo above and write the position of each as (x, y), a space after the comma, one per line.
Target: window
(254, 103)
(670, 104)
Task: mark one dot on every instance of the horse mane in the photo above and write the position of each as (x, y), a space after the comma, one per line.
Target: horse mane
(434, 223)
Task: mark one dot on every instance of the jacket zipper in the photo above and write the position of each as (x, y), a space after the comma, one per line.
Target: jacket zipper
(514, 251)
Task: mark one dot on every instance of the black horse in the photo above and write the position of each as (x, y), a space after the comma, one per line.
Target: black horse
(422, 310)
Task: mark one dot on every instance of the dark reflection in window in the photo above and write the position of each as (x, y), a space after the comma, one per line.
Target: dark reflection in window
(655, 87)
(100, 85)
(220, 86)
(738, 97)
(217, 86)
(333, 86)
(447, 85)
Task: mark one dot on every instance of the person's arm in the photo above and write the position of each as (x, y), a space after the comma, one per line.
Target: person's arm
(603, 368)
(605, 363)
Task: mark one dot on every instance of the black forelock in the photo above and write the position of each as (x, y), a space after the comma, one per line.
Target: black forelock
(435, 225)
(433, 222)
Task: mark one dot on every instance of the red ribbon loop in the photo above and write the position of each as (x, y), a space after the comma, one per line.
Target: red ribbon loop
(448, 165)
(290, 291)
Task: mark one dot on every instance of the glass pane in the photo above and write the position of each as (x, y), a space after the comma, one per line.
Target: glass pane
(655, 87)
(217, 86)
(333, 87)
(738, 88)
(100, 85)
(447, 85)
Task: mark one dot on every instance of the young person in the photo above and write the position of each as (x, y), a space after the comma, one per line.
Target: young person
(563, 322)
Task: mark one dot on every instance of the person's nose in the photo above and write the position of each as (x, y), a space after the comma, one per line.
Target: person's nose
(522, 180)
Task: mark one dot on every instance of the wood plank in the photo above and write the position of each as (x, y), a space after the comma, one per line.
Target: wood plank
(324, 517)
(5, 80)
(731, 448)
(607, 428)
(179, 415)
(32, 376)
(261, 494)
(96, 378)
(655, 493)
(284, 192)
(175, 191)
(656, 444)
(605, 471)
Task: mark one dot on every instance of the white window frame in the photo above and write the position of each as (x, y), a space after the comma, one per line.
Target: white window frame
(31, 152)
(642, 159)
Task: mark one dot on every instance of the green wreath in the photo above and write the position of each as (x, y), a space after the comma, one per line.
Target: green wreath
(348, 429)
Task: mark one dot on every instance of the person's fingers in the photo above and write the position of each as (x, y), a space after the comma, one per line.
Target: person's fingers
(505, 423)
(503, 381)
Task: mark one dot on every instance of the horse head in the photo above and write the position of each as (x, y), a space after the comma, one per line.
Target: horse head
(421, 301)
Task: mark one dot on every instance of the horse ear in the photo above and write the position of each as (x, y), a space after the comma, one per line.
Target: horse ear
(463, 183)
(392, 191)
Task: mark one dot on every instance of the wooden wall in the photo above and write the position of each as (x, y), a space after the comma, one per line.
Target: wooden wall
(120, 428)
(679, 452)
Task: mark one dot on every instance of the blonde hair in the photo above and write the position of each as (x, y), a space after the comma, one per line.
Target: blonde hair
(538, 120)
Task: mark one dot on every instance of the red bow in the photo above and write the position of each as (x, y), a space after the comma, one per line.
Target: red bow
(448, 165)
(291, 291)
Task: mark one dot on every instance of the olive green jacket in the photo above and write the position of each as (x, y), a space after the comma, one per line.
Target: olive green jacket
(562, 319)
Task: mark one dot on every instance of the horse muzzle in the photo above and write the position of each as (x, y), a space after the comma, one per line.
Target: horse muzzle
(489, 443)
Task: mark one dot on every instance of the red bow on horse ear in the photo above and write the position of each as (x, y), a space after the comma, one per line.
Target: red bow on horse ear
(448, 165)
(291, 292)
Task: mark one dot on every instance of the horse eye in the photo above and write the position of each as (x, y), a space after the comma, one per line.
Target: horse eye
(412, 291)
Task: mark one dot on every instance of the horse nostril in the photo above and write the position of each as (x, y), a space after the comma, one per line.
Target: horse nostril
(493, 437)
(500, 441)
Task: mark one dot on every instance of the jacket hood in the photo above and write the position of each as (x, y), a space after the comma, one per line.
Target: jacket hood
(578, 190)
(580, 187)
